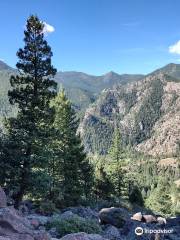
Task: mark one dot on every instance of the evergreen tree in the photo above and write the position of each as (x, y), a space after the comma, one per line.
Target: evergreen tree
(71, 168)
(160, 199)
(103, 186)
(135, 195)
(32, 91)
(118, 173)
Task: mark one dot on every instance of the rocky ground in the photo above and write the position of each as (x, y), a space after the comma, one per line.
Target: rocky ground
(115, 224)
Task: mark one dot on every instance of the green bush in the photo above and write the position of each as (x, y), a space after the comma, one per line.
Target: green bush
(74, 225)
(47, 208)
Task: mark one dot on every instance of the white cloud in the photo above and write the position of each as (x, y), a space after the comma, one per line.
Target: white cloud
(48, 28)
(175, 48)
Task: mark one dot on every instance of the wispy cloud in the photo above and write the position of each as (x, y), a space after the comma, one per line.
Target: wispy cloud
(48, 28)
(175, 48)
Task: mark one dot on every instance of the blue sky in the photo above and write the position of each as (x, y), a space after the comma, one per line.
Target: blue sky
(97, 36)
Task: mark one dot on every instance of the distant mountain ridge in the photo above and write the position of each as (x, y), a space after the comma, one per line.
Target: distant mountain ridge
(81, 88)
(171, 69)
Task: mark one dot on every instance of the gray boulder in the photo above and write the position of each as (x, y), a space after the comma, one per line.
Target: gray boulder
(67, 215)
(174, 221)
(39, 218)
(84, 212)
(11, 222)
(16, 227)
(112, 233)
(113, 216)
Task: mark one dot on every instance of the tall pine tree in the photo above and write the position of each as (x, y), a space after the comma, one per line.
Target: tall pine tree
(160, 199)
(104, 187)
(32, 91)
(118, 173)
(69, 164)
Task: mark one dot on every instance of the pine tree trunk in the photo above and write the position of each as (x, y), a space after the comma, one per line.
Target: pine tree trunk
(24, 180)
(18, 198)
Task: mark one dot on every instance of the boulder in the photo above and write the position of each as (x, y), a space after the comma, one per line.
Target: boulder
(128, 231)
(16, 227)
(137, 217)
(3, 199)
(174, 221)
(43, 220)
(35, 223)
(41, 235)
(84, 212)
(149, 219)
(53, 232)
(111, 233)
(21, 237)
(161, 220)
(67, 215)
(113, 216)
(82, 236)
(11, 222)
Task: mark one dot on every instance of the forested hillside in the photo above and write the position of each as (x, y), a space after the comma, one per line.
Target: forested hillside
(147, 113)
(5, 107)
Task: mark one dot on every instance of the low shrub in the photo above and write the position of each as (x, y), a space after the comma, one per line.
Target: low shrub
(47, 208)
(74, 225)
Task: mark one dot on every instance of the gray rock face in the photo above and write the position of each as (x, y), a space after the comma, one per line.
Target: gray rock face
(83, 236)
(3, 199)
(113, 216)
